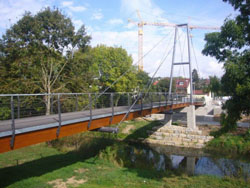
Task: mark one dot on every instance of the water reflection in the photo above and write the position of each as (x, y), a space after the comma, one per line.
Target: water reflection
(162, 160)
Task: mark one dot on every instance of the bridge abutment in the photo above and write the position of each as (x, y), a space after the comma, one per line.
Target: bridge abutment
(189, 136)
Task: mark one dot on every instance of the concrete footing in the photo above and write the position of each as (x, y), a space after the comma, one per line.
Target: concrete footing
(191, 121)
(168, 119)
(169, 134)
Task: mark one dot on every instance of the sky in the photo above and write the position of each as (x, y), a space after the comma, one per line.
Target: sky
(107, 23)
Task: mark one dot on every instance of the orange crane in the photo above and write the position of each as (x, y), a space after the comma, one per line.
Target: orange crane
(165, 24)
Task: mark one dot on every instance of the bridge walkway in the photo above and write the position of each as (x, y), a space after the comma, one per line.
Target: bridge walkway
(33, 130)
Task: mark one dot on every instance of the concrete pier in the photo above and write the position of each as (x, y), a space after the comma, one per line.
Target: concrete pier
(191, 121)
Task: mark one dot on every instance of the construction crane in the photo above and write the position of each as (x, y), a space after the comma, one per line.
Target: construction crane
(140, 25)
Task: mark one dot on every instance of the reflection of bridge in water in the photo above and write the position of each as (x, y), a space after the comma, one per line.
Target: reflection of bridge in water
(185, 160)
(26, 123)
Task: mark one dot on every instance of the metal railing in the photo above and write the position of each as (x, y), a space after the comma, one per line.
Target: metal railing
(16, 106)
(29, 105)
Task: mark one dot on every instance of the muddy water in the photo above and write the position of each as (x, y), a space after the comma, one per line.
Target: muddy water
(189, 161)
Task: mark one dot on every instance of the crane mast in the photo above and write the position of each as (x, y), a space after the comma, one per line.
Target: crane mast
(164, 24)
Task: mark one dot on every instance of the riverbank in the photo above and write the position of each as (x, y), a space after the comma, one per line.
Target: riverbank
(95, 159)
(233, 143)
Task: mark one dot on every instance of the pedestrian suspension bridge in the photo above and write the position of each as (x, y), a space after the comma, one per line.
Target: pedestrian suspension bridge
(28, 119)
(72, 113)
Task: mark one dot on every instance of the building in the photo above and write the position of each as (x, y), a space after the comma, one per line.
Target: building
(182, 85)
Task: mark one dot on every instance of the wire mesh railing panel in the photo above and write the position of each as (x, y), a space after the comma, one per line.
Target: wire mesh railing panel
(5, 108)
(30, 105)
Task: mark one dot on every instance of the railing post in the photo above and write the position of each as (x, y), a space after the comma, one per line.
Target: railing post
(151, 101)
(76, 103)
(12, 141)
(141, 102)
(128, 99)
(159, 97)
(51, 104)
(112, 106)
(59, 116)
(90, 110)
(18, 107)
(95, 101)
(166, 100)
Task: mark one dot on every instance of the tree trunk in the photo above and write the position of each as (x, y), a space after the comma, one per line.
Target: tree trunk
(117, 100)
(48, 102)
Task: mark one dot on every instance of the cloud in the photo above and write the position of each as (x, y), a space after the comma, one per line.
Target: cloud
(11, 11)
(77, 23)
(67, 3)
(97, 15)
(71, 7)
(148, 10)
(77, 8)
(115, 21)
(150, 13)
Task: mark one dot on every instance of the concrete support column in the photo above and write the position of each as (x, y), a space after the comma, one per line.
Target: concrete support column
(190, 165)
(191, 121)
(168, 119)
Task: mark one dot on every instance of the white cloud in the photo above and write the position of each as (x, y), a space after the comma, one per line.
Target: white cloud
(71, 7)
(77, 23)
(147, 9)
(11, 11)
(97, 15)
(77, 8)
(67, 3)
(115, 21)
(129, 40)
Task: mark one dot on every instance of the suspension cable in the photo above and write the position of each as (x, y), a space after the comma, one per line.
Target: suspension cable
(195, 56)
(100, 94)
(148, 88)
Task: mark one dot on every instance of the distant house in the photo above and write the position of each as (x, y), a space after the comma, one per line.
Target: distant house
(182, 85)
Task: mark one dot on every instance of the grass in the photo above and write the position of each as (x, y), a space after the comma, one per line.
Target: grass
(231, 143)
(95, 160)
(97, 171)
(139, 130)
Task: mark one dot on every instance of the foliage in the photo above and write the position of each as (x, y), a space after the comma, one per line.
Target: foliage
(143, 79)
(195, 76)
(163, 85)
(109, 64)
(231, 46)
(82, 72)
(43, 53)
(32, 53)
(215, 85)
(231, 144)
(199, 83)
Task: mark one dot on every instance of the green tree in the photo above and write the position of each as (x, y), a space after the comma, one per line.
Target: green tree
(195, 76)
(108, 65)
(215, 85)
(231, 46)
(143, 79)
(163, 85)
(32, 53)
(82, 73)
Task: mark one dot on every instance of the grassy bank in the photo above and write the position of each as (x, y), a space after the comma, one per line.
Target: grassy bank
(84, 169)
(95, 159)
(232, 143)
